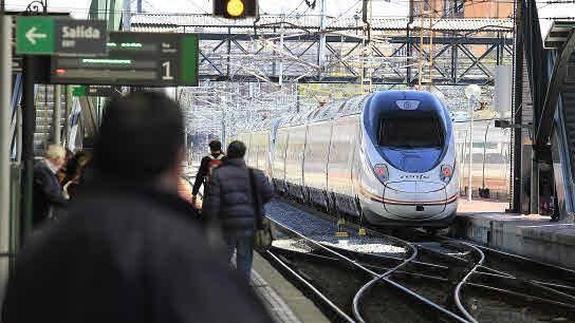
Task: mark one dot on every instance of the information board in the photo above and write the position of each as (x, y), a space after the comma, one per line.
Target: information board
(136, 59)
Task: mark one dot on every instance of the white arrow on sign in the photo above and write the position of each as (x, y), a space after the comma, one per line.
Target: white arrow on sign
(31, 35)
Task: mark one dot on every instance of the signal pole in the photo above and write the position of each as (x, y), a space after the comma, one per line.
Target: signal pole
(322, 25)
(5, 118)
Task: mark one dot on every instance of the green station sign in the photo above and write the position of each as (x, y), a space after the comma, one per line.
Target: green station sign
(35, 35)
(135, 59)
(47, 35)
(94, 90)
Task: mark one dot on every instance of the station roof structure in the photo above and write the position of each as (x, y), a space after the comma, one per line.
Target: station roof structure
(169, 22)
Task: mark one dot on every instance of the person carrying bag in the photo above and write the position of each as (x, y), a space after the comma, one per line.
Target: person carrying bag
(235, 197)
(263, 236)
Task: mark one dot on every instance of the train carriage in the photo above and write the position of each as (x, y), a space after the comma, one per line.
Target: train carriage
(388, 157)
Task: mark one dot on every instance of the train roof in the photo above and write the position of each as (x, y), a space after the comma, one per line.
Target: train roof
(394, 100)
(384, 100)
(333, 109)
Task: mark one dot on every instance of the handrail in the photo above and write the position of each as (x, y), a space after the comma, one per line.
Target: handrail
(15, 102)
(554, 89)
(534, 53)
(565, 161)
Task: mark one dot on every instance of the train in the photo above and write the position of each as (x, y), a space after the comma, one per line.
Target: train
(386, 158)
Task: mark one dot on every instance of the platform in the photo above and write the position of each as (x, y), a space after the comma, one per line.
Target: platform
(283, 300)
(532, 236)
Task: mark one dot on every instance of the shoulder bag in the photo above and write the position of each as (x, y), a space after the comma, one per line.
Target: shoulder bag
(263, 237)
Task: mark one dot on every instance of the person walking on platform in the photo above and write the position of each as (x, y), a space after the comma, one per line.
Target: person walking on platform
(207, 165)
(48, 195)
(130, 250)
(236, 197)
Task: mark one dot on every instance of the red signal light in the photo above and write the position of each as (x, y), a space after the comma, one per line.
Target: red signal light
(446, 172)
(381, 172)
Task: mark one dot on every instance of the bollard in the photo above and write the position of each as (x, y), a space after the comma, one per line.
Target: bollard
(341, 233)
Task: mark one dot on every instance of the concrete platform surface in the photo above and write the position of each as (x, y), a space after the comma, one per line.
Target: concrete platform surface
(532, 236)
(284, 301)
(480, 206)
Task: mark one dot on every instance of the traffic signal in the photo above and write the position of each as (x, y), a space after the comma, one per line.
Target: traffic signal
(236, 9)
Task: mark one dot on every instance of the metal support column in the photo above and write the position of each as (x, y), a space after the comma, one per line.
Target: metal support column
(517, 104)
(322, 25)
(67, 111)
(281, 63)
(454, 63)
(228, 52)
(56, 115)
(534, 199)
(470, 103)
(409, 45)
(28, 128)
(5, 119)
(19, 134)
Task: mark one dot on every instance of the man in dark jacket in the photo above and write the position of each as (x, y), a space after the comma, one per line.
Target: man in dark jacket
(232, 199)
(130, 249)
(48, 193)
(208, 163)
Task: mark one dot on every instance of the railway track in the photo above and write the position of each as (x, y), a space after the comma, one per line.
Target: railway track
(415, 277)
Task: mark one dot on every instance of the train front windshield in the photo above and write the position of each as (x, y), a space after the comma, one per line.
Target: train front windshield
(411, 130)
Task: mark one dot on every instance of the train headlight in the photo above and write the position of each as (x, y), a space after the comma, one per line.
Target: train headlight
(446, 173)
(381, 172)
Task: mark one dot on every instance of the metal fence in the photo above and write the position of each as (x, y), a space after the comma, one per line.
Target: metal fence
(490, 158)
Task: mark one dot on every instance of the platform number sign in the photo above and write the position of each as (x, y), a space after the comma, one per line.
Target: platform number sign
(167, 71)
(137, 59)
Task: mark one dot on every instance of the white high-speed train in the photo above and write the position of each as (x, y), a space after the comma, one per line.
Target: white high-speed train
(387, 157)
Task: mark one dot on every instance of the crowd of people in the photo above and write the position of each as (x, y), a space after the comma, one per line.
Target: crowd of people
(119, 235)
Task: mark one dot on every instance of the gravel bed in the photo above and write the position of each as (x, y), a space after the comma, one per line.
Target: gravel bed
(323, 231)
(336, 282)
(382, 303)
(492, 307)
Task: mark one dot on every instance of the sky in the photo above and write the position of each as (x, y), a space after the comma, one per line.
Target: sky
(335, 8)
(79, 8)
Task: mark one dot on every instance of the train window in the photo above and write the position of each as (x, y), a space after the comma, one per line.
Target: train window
(411, 131)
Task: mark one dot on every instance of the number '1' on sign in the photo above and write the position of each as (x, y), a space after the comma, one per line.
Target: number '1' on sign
(167, 71)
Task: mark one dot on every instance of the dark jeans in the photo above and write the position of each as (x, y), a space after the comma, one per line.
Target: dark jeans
(242, 243)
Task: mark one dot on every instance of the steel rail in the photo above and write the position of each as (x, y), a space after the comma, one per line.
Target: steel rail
(479, 268)
(377, 277)
(361, 292)
(523, 295)
(387, 257)
(547, 286)
(457, 293)
(309, 285)
(550, 287)
(367, 265)
(543, 285)
(523, 258)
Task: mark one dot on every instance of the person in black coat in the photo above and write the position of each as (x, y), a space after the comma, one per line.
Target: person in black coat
(230, 198)
(214, 159)
(130, 250)
(48, 194)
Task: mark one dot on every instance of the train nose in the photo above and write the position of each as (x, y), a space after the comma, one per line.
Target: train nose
(415, 200)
